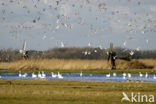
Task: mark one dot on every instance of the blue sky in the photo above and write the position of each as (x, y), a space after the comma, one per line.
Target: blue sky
(47, 24)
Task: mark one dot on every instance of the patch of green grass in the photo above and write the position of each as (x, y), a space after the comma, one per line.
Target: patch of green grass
(92, 71)
(69, 92)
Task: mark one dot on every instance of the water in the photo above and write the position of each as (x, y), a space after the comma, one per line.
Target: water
(76, 77)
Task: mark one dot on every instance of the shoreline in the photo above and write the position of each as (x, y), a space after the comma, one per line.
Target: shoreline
(89, 71)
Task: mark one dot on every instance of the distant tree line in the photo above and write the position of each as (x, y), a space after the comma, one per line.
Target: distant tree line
(7, 55)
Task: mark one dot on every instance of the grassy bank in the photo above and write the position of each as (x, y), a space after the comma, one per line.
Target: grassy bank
(69, 92)
(91, 71)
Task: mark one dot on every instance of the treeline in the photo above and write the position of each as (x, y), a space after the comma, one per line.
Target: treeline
(74, 53)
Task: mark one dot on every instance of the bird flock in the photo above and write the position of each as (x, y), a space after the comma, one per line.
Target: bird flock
(40, 75)
(97, 17)
(129, 75)
(58, 75)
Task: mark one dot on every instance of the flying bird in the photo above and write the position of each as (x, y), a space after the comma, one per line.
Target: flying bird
(62, 44)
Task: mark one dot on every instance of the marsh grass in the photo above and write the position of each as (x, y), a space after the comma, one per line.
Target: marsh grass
(55, 64)
(69, 92)
(91, 66)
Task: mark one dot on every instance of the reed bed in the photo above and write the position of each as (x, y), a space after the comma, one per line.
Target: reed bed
(61, 64)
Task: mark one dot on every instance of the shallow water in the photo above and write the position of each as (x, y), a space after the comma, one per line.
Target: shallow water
(76, 77)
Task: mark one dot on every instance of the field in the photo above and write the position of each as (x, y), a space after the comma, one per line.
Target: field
(73, 92)
(69, 92)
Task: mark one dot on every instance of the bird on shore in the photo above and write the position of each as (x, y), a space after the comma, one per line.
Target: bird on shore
(129, 75)
(154, 77)
(39, 74)
(114, 74)
(146, 76)
(81, 74)
(53, 75)
(43, 77)
(24, 75)
(43, 74)
(59, 76)
(124, 75)
(34, 75)
(108, 75)
(20, 75)
(140, 74)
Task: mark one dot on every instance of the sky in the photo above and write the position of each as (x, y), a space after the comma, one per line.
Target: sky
(46, 24)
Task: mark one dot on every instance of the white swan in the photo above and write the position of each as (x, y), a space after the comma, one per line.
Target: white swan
(114, 74)
(140, 74)
(34, 75)
(42, 77)
(59, 76)
(24, 75)
(81, 74)
(129, 75)
(154, 77)
(39, 74)
(124, 74)
(53, 75)
(43, 74)
(20, 75)
(146, 76)
(108, 75)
